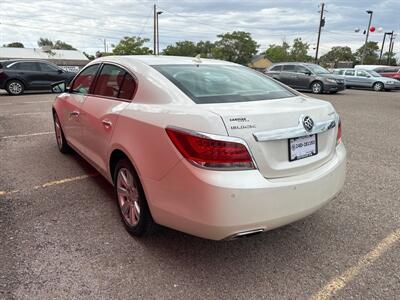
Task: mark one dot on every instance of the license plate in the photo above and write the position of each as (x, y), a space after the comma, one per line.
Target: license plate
(302, 147)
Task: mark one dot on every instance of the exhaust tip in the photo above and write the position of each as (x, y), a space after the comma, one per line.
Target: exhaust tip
(247, 233)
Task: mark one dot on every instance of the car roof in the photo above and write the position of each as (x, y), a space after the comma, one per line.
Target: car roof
(161, 60)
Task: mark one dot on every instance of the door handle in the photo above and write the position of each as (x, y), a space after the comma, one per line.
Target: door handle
(106, 123)
(74, 113)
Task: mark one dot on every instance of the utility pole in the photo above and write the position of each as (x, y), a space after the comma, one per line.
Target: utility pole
(155, 31)
(321, 24)
(370, 12)
(105, 46)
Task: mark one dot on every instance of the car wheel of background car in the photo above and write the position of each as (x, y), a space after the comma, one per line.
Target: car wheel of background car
(15, 87)
(132, 202)
(61, 141)
(378, 86)
(316, 87)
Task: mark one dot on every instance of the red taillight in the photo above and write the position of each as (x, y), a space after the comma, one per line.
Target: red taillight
(208, 152)
(339, 133)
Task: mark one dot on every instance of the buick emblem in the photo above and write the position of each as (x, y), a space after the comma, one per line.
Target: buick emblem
(308, 123)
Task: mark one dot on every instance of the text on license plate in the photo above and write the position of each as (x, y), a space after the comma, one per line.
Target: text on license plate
(302, 147)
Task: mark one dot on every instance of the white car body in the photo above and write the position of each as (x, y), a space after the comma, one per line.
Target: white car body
(209, 203)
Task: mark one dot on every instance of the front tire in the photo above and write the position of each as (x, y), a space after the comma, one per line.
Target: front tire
(378, 86)
(15, 87)
(60, 137)
(317, 87)
(134, 210)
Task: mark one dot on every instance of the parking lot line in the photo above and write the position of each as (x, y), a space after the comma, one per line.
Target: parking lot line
(26, 135)
(33, 102)
(6, 104)
(31, 113)
(51, 183)
(341, 281)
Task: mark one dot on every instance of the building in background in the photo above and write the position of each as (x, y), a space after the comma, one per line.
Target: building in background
(70, 60)
(259, 62)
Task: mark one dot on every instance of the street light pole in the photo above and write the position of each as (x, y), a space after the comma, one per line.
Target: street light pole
(370, 12)
(158, 34)
(391, 44)
(155, 30)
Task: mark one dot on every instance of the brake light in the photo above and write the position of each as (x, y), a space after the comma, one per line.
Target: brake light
(339, 133)
(211, 151)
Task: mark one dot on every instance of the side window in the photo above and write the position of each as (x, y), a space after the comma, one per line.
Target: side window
(109, 81)
(276, 68)
(84, 80)
(302, 69)
(27, 66)
(127, 88)
(48, 68)
(362, 73)
(289, 68)
(349, 73)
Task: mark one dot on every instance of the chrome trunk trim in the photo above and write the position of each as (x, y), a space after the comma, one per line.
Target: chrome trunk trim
(298, 131)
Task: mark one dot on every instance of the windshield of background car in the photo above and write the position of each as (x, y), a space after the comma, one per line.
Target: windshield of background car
(222, 83)
(318, 69)
(375, 74)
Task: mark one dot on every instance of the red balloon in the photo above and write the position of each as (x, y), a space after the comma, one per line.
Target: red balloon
(372, 29)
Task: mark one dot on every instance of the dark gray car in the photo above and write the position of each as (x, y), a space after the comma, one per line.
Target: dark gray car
(306, 77)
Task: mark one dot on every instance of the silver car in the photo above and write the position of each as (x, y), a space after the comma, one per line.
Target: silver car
(361, 78)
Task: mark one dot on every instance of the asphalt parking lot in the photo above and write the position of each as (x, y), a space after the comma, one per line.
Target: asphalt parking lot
(61, 235)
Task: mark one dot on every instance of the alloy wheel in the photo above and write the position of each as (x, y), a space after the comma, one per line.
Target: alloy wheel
(316, 88)
(128, 197)
(15, 88)
(58, 131)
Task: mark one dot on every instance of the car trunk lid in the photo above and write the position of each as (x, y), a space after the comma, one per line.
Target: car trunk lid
(267, 125)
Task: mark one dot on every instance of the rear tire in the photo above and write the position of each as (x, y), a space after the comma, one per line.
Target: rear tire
(378, 86)
(134, 210)
(60, 137)
(317, 87)
(15, 87)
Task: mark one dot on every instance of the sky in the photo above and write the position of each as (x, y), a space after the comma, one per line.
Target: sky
(86, 23)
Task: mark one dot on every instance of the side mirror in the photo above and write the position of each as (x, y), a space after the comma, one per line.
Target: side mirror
(307, 73)
(60, 71)
(59, 87)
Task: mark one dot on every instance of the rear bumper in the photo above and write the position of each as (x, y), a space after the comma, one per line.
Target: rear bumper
(218, 204)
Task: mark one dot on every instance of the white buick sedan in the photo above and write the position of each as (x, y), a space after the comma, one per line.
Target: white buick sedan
(207, 147)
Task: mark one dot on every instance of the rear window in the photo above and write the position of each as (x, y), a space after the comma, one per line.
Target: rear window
(222, 83)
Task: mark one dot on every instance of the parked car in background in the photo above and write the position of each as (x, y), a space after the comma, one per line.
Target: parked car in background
(306, 77)
(207, 147)
(359, 78)
(17, 76)
(391, 72)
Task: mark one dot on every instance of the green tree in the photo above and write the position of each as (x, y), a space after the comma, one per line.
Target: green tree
(237, 46)
(57, 45)
(60, 45)
(299, 50)
(205, 48)
(389, 57)
(371, 54)
(90, 57)
(278, 53)
(183, 48)
(337, 54)
(131, 45)
(14, 45)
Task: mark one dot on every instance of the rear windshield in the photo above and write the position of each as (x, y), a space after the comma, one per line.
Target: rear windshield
(222, 83)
